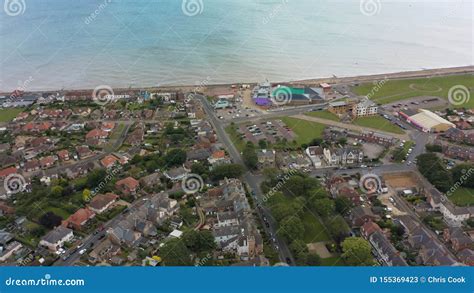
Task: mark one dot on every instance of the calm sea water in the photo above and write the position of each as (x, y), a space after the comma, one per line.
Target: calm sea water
(85, 43)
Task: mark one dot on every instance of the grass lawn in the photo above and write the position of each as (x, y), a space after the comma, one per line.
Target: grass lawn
(463, 197)
(395, 90)
(238, 142)
(377, 122)
(7, 115)
(305, 131)
(332, 261)
(323, 114)
(314, 229)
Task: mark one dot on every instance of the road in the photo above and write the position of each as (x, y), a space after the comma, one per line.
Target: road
(252, 180)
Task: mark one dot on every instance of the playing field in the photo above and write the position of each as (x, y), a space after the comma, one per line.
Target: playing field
(395, 90)
(7, 115)
(305, 130)
(377, 122)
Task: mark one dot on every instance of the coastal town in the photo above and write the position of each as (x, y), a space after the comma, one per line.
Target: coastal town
(375, 171)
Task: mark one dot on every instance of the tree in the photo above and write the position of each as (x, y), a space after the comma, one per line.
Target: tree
(464, 174)
(432, 167)
(199, 168)
(343, 205)
(86, 195)
(262, 144)
(175, 253)
(291, 228)
(50, 220)
(227, 171)
(249, 155)
(324, 207)
(312, 259)
(338, 228)
(199, 241)
(282, 210)
(175, 157)
(57, 191)
(356, 251)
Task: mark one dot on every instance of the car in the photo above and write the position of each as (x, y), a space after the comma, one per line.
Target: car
(267, 225)
(82, 251)
(391, 200)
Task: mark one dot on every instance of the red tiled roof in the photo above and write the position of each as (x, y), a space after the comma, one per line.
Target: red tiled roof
(7, 171)
(97, 133)
(109, 161)
(79, 217)
(129, 182)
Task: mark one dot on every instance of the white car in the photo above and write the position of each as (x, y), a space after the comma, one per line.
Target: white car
(82, 251)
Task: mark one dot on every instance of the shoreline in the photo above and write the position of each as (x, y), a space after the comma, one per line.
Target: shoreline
(423, 73)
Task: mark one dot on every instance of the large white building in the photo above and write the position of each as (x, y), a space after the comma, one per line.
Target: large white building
(365, 108)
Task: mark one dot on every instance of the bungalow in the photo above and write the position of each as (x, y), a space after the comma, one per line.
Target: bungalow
(128, 186)
(102, 202)
(63, 155)
(47, 162)
(84, 152)
(109, 161)
(97, 134)
(77, 220)
(32, 165)
(56, 238)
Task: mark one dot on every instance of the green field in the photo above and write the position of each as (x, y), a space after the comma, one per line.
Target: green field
(395, 90)
(7, 115)
(304, 130)
(235, 137)
(463, 197)
(314, 231)
(377, 122)
(323, 114)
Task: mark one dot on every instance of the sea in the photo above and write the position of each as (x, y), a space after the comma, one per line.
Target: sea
(75, 44)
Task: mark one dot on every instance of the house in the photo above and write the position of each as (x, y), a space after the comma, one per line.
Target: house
(200, 154)
(84, 152)
(56, 238)
(8, 246)
(32, 165)
(385, 251)
(128, 186)
(176, 173)
(47, 162)
(452, 214)
(104, 251)
(97, 134)
(217, 158)
(77, 220)
(466, 256)
(151, 181)
(315, 154)
(368, 228)
(109, 161)
(458, 239)
(4, 173)
(266, 158)
(63, 155)
(360, 215)
(102, 202)
(343, 156)
(107, 126)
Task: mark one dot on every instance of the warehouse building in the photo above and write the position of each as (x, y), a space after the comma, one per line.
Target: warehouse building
(426, 121)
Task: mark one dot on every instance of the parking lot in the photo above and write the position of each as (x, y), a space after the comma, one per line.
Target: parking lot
(271, 131)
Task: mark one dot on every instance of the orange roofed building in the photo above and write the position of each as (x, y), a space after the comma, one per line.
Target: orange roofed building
(77, 220)
(128, 186)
